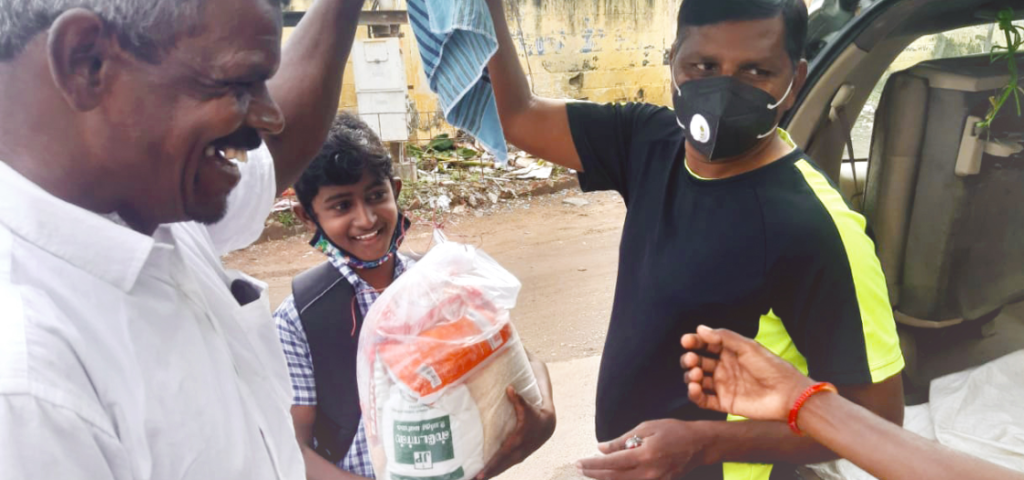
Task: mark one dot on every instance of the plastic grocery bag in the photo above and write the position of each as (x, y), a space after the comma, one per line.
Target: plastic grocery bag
(436, 353)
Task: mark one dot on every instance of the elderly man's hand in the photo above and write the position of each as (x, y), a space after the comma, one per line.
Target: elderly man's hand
(730, 373)
(669, 450)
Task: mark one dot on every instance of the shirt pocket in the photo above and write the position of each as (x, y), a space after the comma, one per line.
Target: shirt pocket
(264, 373)
(257, 325)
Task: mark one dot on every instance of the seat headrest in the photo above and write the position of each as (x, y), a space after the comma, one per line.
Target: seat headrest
(975, 73)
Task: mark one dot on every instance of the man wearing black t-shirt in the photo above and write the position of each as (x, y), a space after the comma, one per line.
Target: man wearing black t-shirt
(728, 224)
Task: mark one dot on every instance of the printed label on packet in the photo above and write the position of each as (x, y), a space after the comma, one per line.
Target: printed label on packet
(430, 375)
(481, 322)
(495, 341)
(424, 443)
(456, 475)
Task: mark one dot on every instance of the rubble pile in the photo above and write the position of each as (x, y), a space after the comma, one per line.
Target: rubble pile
(454, 176)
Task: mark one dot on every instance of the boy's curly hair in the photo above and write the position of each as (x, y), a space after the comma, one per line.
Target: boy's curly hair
(352, 149)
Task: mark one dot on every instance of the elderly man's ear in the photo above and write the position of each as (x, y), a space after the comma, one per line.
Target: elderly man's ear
(81, 49)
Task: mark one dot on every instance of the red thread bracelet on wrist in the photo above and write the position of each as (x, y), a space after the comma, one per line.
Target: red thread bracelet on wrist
(794, 413)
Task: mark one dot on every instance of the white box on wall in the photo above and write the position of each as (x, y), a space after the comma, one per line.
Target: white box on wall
(381, 87)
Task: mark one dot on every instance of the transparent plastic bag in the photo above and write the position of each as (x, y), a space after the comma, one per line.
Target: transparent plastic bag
(436, 353)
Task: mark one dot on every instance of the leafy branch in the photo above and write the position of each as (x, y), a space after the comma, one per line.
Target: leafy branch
(1014, 41)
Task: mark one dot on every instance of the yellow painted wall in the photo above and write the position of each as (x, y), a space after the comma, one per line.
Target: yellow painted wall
(600, 50)
(424, 99)
(954, 43)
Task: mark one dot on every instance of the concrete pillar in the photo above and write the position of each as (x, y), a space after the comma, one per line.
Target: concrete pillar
(406, 170)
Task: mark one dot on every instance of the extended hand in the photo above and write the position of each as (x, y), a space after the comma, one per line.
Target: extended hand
(534, 426)
(731, 373)
(670, 449)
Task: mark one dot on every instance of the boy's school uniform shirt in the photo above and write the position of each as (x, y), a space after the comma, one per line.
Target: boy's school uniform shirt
(300, 361)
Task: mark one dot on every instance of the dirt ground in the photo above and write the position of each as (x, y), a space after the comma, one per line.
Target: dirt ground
(565, 256)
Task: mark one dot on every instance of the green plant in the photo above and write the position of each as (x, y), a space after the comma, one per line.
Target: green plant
(467, 153)
(408, 195)
(441, 143)
(286, 218)
(413, 151)
(1014, 41)
(558, 170)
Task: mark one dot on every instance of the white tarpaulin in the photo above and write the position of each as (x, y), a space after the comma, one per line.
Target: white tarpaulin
(978, 411)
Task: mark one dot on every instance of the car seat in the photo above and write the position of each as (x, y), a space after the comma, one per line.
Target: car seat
(945, 201)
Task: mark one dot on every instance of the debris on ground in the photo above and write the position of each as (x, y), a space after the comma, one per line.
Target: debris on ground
(576, 202)
(533, 170)
(286, 202)
(282, 222)
(455, 176)
(456, 172)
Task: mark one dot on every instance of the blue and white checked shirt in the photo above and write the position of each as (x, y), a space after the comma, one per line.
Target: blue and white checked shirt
(300, 362)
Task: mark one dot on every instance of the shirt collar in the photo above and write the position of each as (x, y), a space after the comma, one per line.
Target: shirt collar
(357, 282)
(91, 242)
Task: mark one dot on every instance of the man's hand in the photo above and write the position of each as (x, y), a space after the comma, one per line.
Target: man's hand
(534, 425)
(670, 450)
(733, 374)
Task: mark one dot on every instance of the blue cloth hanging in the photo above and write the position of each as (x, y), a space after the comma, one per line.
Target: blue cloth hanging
(456, 40)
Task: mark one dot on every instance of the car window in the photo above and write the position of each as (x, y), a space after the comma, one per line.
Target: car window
(954, 43)
(827, 19)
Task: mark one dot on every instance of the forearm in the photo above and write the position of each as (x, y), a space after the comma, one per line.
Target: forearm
(318, 468)
(539, 126)
(511, 87)
(308, 85)
(882, 448)
(770, 442)
(760, 442)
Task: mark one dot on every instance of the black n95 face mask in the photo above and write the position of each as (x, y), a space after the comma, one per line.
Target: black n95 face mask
(724, 117)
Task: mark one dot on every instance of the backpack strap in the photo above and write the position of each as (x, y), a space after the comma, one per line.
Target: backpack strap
(324, 300)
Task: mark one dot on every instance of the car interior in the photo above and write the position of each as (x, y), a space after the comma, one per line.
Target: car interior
(944, 201)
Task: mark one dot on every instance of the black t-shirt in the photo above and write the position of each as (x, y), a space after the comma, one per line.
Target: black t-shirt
(774, 254)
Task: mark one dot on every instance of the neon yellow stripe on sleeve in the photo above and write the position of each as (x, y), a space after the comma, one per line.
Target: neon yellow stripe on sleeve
(880, 339)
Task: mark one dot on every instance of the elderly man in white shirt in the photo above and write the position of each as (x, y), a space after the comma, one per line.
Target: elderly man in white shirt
(127, 351)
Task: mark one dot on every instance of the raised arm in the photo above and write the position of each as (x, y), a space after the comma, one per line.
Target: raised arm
(733, 374)
(540, 126)
(308, 85)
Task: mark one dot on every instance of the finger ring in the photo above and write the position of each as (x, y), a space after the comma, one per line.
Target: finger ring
(634, 442)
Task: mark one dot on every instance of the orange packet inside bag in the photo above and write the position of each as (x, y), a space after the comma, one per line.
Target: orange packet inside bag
(446, 351)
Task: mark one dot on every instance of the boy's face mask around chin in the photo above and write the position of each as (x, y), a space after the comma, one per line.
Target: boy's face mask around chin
(328, 247)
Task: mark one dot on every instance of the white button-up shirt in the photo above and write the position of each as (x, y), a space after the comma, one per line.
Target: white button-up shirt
(125, 356)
